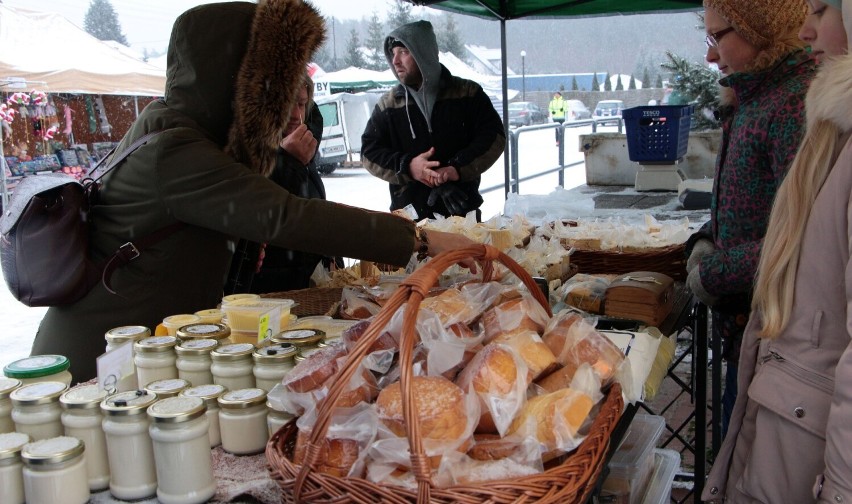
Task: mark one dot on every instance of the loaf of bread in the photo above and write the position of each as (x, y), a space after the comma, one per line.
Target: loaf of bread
(352, 335)
(514, 316)
(315, 370)
(337, 456)
(499, 379)
(574, 341)
(451, 306)
(492, 447)
(529, 346)
(553, 419)
(439, 407)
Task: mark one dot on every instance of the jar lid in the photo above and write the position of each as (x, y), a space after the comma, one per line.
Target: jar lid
(168, 387)
(37, 366)
(155, 344)
(242, 398)
(52, 451)
(7, 385)
(234, 351)
(202, 330)
(32, 394)
(132, 402)
(278, 352)
(233, 297)
(300, 337)
(209, 392)
(196, 346)
(177, 409)
(11, 444)
(124, 334)
(83, 397)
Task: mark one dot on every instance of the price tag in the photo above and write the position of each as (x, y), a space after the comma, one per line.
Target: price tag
(114, 366)
(269, 324)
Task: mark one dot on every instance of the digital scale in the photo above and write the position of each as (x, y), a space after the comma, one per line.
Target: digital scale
(659, 176)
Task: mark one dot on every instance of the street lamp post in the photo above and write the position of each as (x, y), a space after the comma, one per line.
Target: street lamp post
(523, 76)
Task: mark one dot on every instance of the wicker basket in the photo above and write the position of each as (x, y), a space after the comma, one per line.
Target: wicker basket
(570, 481)
(313, 301)
(669, 260)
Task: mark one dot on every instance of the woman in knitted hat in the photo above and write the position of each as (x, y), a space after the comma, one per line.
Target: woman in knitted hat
(766, 73)
(789, 436)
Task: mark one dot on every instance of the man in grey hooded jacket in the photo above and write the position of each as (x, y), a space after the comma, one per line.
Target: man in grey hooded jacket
(432, 136)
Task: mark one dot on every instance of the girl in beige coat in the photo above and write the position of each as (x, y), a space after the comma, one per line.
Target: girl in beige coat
(789, 437)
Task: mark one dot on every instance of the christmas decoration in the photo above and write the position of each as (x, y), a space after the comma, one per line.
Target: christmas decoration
(696, 84)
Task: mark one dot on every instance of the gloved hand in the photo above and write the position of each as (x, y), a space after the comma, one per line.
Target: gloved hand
(453, 197)
(701, 248)
(693, 281)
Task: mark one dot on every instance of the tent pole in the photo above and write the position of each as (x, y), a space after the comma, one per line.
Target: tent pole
(505, 85)
(136, 104)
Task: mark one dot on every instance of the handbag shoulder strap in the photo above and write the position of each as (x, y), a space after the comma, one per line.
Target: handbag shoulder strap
(116, 159)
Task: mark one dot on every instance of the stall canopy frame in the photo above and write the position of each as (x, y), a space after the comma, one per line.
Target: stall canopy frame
(504, 10)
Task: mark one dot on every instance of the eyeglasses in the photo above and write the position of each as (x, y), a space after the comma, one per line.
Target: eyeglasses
(713, 39)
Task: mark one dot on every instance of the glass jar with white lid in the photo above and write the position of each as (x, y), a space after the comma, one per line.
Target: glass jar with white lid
(193, 360)
(131, 453)
(181, 450)
(11, 467)
(155, 359)
(210, 393)
(219, 332)
(40, 368)
(242, 420)
(55, 471)
(167, 388)
(82, 419)
(36, 410)
(271, 364)
(232, 366)
(7, 385)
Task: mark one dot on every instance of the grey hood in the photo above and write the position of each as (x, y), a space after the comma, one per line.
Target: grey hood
(419, 38)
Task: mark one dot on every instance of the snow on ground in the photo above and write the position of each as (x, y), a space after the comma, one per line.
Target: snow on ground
(356, 187)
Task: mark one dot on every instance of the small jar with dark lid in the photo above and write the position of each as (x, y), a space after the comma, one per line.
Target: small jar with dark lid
(181, 450)
(167, 388)
(36, 410)
(55, 471)
(82, 419)
(193, 360)
(210, 393)
(300, 338)
(242, 419)
(11, 467)
(232, 366)
(218, 332)
(40, 368)
(271, 364)
(7, 385)
(131, 454)
(155, 359)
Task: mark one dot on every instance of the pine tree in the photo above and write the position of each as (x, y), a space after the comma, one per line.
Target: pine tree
(646, 78)
(574, 83)
(596, 86)
(353, 57)
(101, 22)
(607, 83)
(632, 83)
(696, 84)
(659, 82)
(375, 44)
(399, 15)
(618, 85)
(449, 39)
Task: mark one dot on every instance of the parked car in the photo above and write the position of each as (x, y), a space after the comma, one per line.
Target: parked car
(609, 108)
(526, 113)
(577, 110)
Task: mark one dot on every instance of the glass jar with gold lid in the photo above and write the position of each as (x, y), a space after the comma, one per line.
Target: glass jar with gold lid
(210, 393)
(7, 385)
(272, 363)
(218, 332)
(232, 366)
(11, 467)
(36, 410)
(193, 360)
(131, 454)
(55, 471)
(169, 387)
(82, 419)
(242, 419)
(300, 338)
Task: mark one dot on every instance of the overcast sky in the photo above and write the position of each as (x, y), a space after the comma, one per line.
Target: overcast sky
(148, 23)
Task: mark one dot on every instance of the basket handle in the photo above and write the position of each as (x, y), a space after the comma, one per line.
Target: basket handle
(412, 290)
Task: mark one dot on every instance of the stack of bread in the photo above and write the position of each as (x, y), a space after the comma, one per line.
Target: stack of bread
(616, 233)
(500, 389)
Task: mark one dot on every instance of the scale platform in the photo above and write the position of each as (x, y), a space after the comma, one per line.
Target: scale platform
(662, 176)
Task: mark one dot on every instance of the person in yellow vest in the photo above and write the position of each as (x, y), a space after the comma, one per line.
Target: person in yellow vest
(557, 111)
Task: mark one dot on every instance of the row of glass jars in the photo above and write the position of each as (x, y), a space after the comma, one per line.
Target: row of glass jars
(132, 453)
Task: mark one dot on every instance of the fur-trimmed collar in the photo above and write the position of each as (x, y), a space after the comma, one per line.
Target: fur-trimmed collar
(830, 95)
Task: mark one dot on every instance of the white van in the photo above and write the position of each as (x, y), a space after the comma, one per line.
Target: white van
(344, 117)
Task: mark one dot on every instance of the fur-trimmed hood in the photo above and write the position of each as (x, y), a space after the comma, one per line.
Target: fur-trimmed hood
(830, 95)
(251, 56)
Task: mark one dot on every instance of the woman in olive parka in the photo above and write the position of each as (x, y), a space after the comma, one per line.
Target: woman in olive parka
(233, 69)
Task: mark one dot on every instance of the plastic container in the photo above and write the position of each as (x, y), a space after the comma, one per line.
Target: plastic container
(242, 420)
(210, 393)
(155, 359)
(632, 463)
(181, 450)
(193, 360)
(174, 322)
(211, 316)
(218, 332)
(232, 366)
(82, 419)
(657, 133)
(131, 453)
(167, 388)
(272, 363)
(244, 314)
(36, 410)
(11, 467)
(7, 385)
(236, 297)
(55, 471)
(666, 465)
(40, 368)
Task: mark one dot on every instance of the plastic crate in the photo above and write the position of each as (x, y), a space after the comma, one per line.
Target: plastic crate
(632, 464)
(666, 465)
(657, 133)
